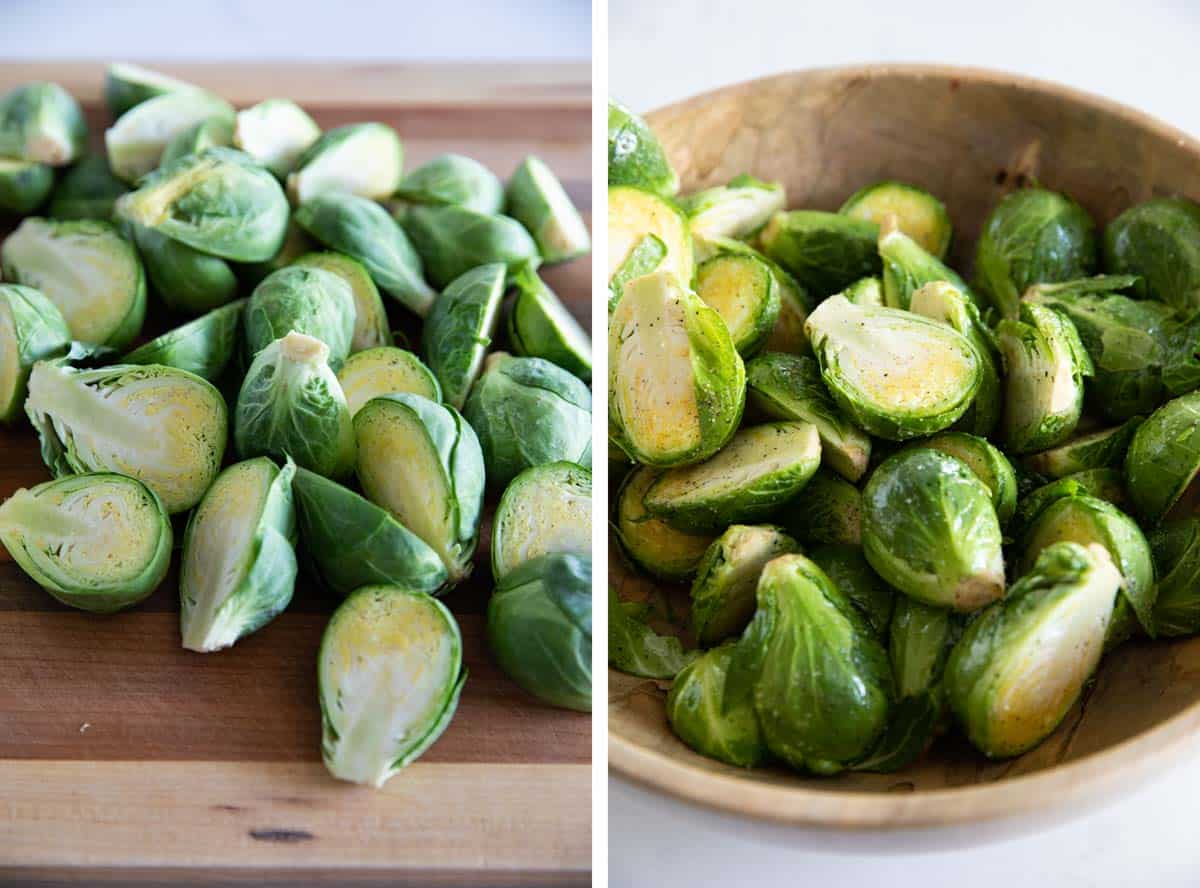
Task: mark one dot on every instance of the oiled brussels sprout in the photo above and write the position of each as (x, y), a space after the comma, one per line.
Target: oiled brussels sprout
(916, 212)
(848, 568)
(539, 326)
(299, 299)
(1159, 241)
(136, 141)
(698, 715)
(634, 155)
(907, 268)
(370, 317)
(826, 252)
(742, 290)
(88, 190)
(645, 256)
(363, 159)
(454, 240)
(185, 279)
(389, 675)
(894, 373)
(31, 329)
(214, 132)
(203, 346)
(1176, 550)
(24, 185)
(676, 384)
(1106, 484)
(930, 530)
(41, 122)
(275, 133)
(538, 201)
(1022, 664)
(126, 85)
(99, 542)
(547, 508)
(384, 371)
(1096, 450)
(920, 638)
(830, 511)
(460, 328)
(455, 180)
(1163, 457)
(987, 462)
(738, 209)
(163, 426)
(634, 214)
(651, 544)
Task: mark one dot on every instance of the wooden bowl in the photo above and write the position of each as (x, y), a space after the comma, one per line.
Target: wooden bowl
(968, 136)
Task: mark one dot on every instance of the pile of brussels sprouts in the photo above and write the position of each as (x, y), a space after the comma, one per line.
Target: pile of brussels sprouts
(902, 502)
(284, 414)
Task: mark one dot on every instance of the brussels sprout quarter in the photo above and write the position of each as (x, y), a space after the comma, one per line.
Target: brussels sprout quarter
(41, 122)
(538, 201)
(698, 715)
(634, 155)
(651, 544)
(451, 179)
(539, 326)
(459, 330)
(363, 159)
(31, 330)
(546, 509)
(304, 300)
(738, 209)
(385, 371)
(137, 141)
(1164, 457)
(98, 542)
(917, 213)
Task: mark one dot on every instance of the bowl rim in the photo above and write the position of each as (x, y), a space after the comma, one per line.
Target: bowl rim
(1086, 779)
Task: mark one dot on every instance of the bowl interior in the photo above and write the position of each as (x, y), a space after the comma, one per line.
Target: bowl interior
(969, 137)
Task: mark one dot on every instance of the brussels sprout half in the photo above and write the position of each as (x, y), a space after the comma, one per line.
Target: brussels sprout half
(538, 201)
(31, 330)
(742, 290)
(389, 675)
(126, 85)
(87, 190)
(370, 317)
(163, 426)
(547, 508)
(363, 159)
(455, 180)
(186, 280)
(203, 346)
(829, 512)
(136, 142)
(454, 240)
(635, 156)
(1159, 241)
(1097, 450)
(651, 544)
(24, 184)
(275, 133)
(460, 327)
(1022, 664)
(1163, 457)
(301, 299)
(87, 270)
(539, 326)
(43, 123)
(1176, 550)
(916, 212)
(384, 371)
(920, 638)
(988, 464)
(738, 209)
(699, 716)
(214, 132)
(634, 214)
(825, 252)
(99, 542)
(907, 268)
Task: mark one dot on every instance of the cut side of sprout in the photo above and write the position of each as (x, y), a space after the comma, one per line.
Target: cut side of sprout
(385, 371)
(653, 545)
(633, 214)
(545, 509)
(361, 158)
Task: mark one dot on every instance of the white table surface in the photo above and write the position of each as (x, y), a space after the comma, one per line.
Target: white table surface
(1142, 54)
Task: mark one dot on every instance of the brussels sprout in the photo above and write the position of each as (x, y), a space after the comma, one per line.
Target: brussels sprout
(919, 642)
(819, 678)
(363, 230)
(87, 270)
(454, 240)
(738, 209)
(987, 463)
(1181, 357)
(24, 185)
(186, 280)
(634, 214)
(459, 329)
(291, 405)
(1176, 549)
(1022, 664)
(364, 159)
(87, 190)
(930, 530)
(136, 142)
(1106, 484)
(296, 244)
(1033, 236)
(634, 155)
(1097, 450)
(528, 412)
(215, 132)
(384, 371)
(907, 268)
(454, 180)
(239, 565)
(1045, 364)
(697, 712)
(352, 542)
(389, 675)
(217, 202)
(203, 346)
(869, 291)
(649, 543)
(845, 565)
(1159, 241)
(647, 254)
(742, 290)
(824, 251)
(1163, 457)
(163, 426)
(917, 213)
(538, 201)
(539, 326)
(98, 542)
(275, 133)
(126, 85)
(677, 386)
(829, 512)
(547, 508)
(31, 330)
(41, 122)
(370, 317)
(727, 576)
(305, 300)
(421, 461)
(895, 374)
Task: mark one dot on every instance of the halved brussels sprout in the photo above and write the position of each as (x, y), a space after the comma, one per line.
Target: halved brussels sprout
(1106, 484)
(1163, 457)
(24, 184)
(907, 268)
(742, 290)
(1176, 549)
(790, 387)
(896, 374)
(370, 317)
(163, 426)
(676, 384)
(300, 299)
(528, 412)
(363, 159)
(98, 542)
(930, 530)
(846, 566)
(1159, 241)
(136, 142)
(920, 638)
(826, 252)
(460, 327)
(760, 469)
(1097, 450)
(653, 545)
(422, 462)
(90, 273)
(916, 212)
(869, 291)
(218, 202)
(214, 132)
(203, 346)
(1022, 664)
(539, 326)
(634, 214)
(291, 405)
(818, 676)
(634, 155)
(389, 675)
(43, 123)
(727, 577)
(239, 566)
(275, 133)
(1045, 365)
(829, 512)
(647, 254)
(384, 371)
(547, 508)
(454, 240)
(698, 715)
(363, 230)
(539, 626)
(452, 179)
(738, 209)
(126, 85)
(352, 542)
(986, 461)
(1033, 236)
(88, 190)
(538, 201)
(186, 280)
(31, 330)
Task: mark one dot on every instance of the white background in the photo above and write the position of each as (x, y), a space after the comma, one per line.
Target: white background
(1142, 53)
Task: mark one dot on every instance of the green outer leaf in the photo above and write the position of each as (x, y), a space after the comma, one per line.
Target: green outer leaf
(41, 122)
(540, 326)
(1176, 548)
(907, 268)
(988, 464)
(646, 255)
(697, 715)
(1181, 360)
(830, 511)
(459, 330)
(185, 279)
(635, 156)
(301, 299)
(1163, 457)
(1106, 484)
(39, 333)
(203, 346)
(845, 565)
(635, 648)
(1097, 450)
(454, 240)
(825, 252)
(523, 530)
(649, 544)
(370, 317)
(454, 179)
(1159, 241)
(24, 185)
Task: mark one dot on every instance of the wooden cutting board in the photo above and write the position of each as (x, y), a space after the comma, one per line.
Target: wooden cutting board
(124, 758)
